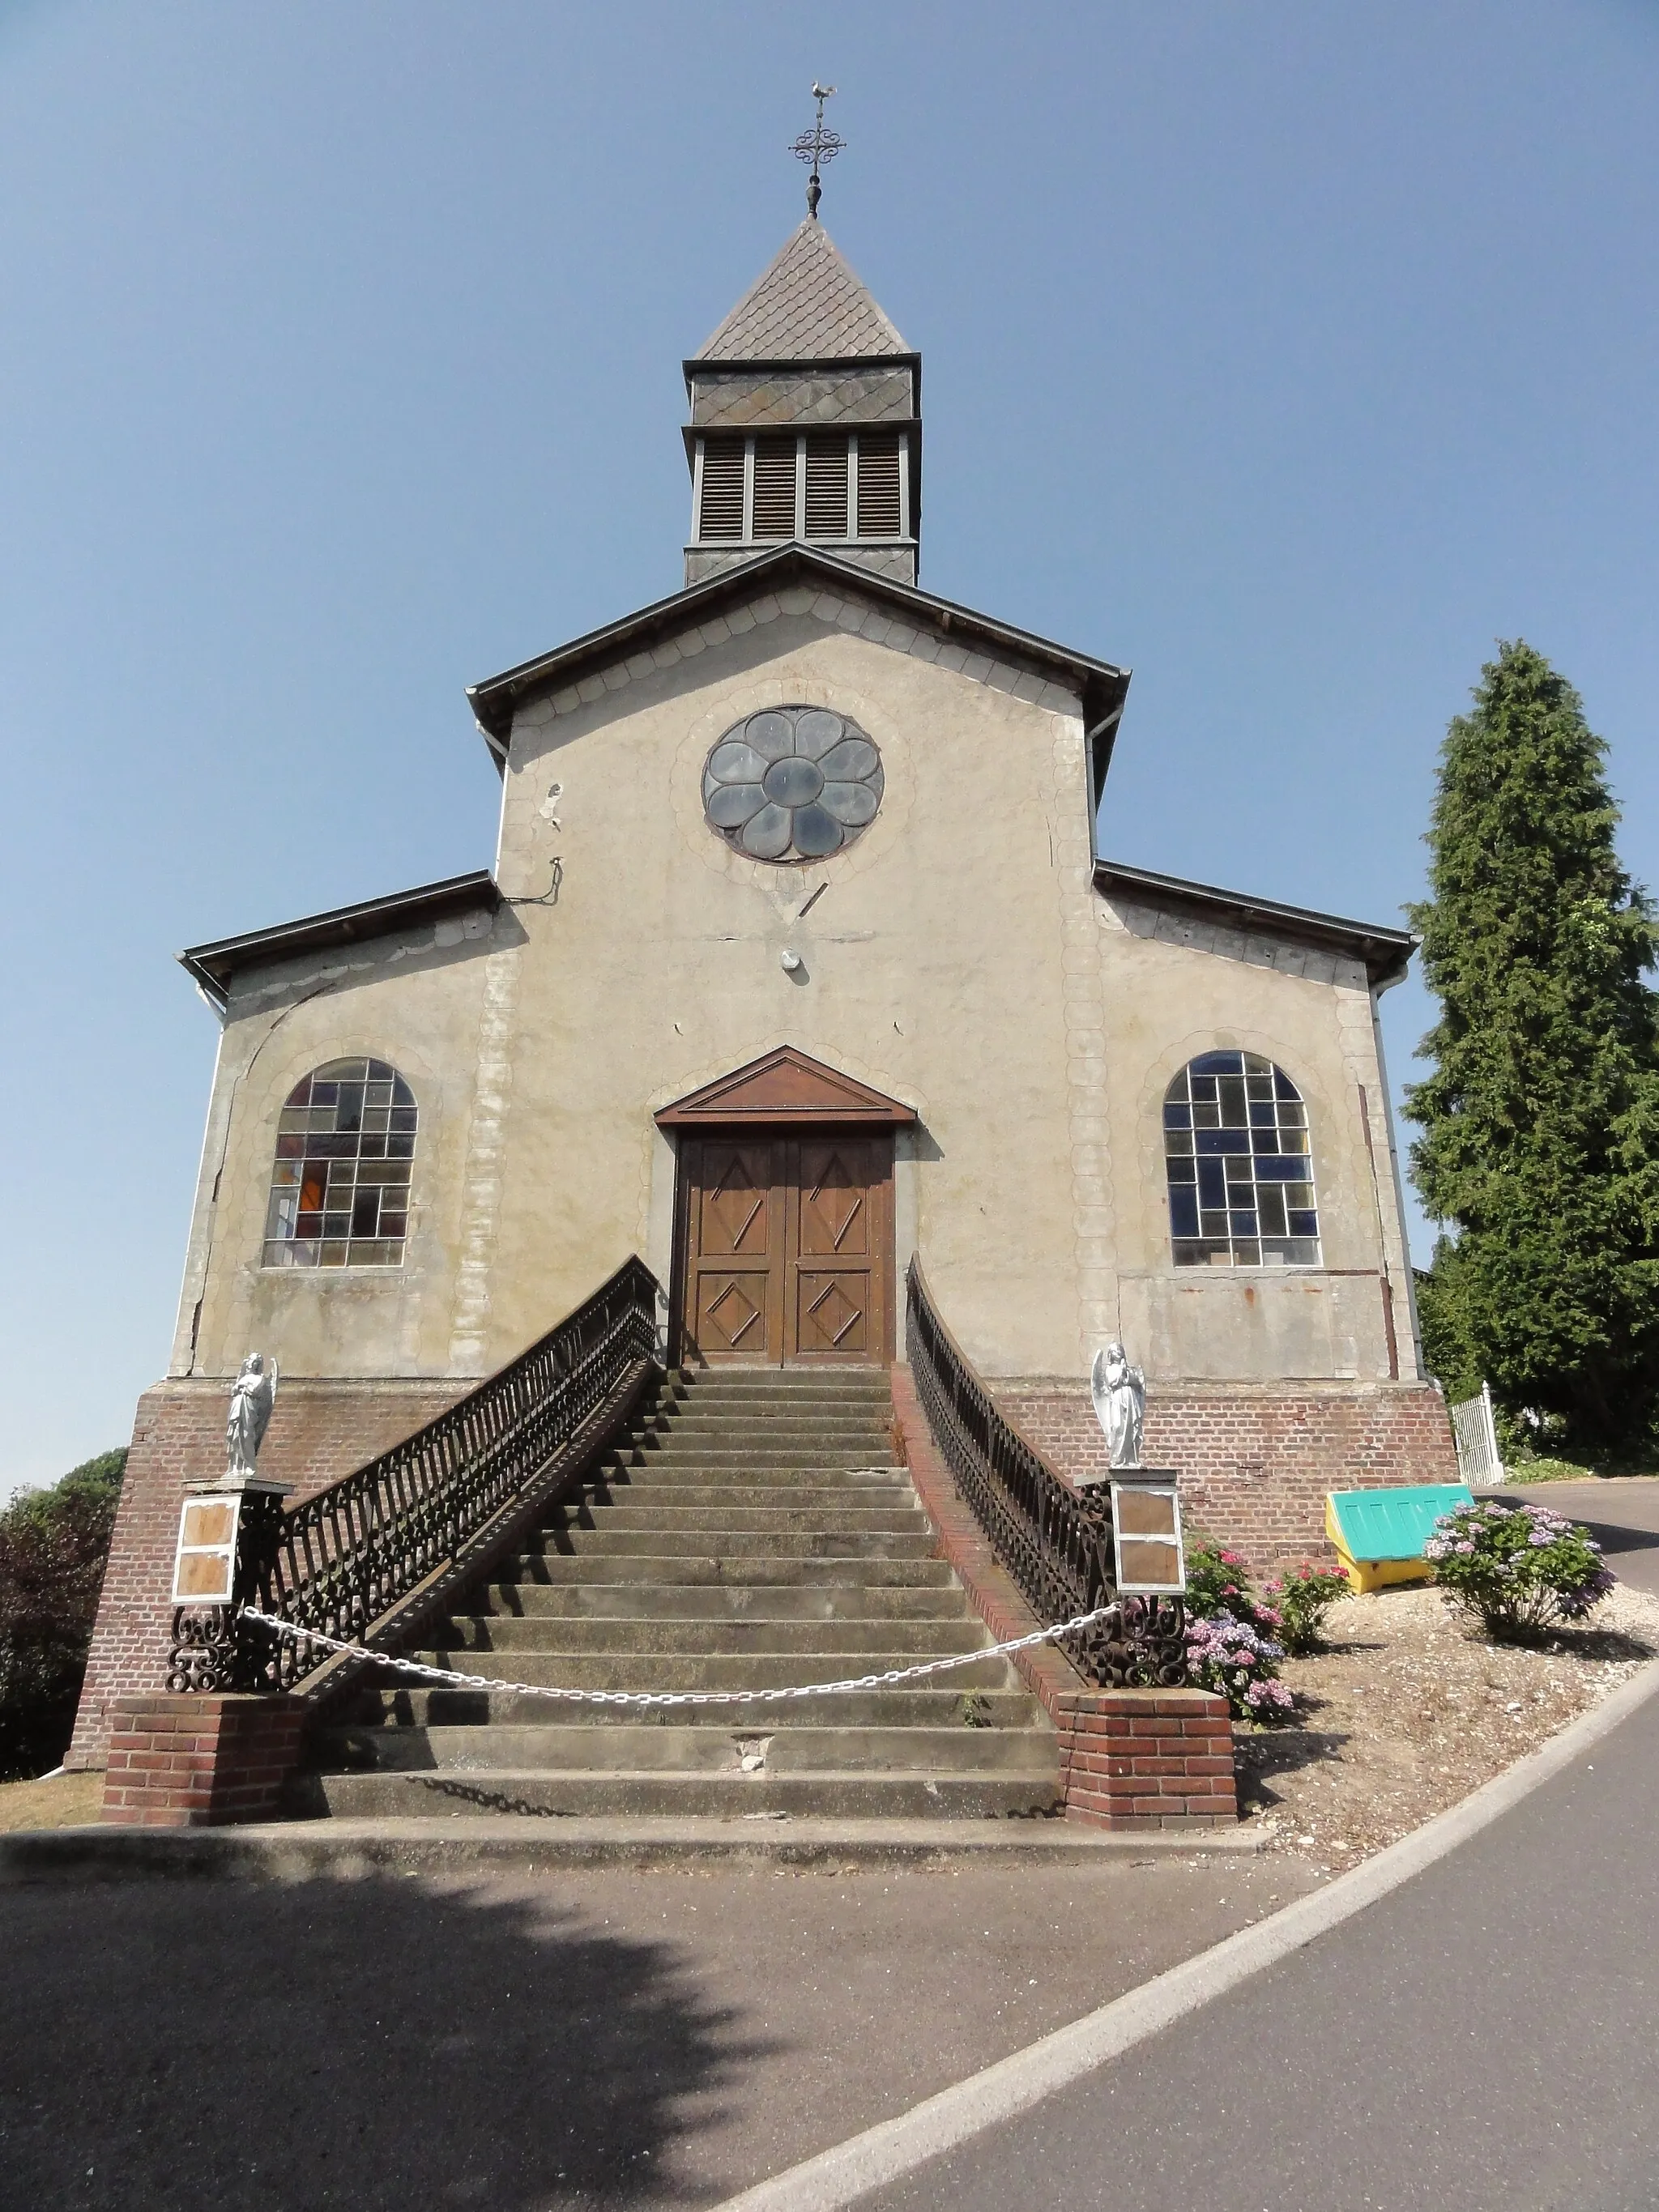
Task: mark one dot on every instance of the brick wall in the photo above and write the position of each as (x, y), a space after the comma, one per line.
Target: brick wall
(1254, 1460)
(1148, 1759)
(318, 1432)
(199, 1762)
(1133, 1759)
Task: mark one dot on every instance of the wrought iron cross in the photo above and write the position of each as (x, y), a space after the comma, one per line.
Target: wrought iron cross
(816, 146)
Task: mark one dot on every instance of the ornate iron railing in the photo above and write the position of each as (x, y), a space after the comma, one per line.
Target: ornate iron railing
(359, 1560)
(1054, 1541)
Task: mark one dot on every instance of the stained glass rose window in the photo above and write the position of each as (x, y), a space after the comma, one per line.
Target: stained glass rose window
(793, 783)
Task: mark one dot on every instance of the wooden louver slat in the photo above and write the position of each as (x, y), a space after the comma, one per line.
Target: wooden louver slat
(878, 487)
(826, 487)
(774, 487)
(721, 514)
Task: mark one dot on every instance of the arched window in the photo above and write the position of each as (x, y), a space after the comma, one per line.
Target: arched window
(339, 1191)
(1241, 1178)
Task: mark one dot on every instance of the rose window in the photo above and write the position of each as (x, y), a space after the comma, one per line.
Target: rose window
(793, 783)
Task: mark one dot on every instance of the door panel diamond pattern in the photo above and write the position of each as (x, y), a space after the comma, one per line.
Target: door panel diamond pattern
(786, 1247)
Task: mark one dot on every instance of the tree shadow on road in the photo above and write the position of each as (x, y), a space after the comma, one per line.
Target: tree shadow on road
(382, 2042)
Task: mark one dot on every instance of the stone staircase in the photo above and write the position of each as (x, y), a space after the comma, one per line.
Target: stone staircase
(751, 1532)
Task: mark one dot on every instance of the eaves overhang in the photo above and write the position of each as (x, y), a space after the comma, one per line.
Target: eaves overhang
(1385, 952)
(495, 701)
(215, 966)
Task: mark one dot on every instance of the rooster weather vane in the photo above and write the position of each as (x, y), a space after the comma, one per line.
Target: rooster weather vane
(816, 146)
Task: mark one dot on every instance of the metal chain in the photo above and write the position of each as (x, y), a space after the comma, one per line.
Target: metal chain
(689, 1697)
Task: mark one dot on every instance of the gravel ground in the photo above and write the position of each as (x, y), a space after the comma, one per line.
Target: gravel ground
(1409, 1709)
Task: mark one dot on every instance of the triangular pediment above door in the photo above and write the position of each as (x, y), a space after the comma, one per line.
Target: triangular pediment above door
(785, 1085)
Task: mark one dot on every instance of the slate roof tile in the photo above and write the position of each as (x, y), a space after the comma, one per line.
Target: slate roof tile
(808, 305)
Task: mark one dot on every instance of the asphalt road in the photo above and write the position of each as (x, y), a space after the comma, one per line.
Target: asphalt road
(594, 2040)
(1622, 1516)
(1485, 2037)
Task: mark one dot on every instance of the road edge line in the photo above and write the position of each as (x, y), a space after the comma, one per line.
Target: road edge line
(838, 2177)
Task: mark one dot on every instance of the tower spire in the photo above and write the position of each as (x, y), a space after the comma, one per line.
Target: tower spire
(816, 146)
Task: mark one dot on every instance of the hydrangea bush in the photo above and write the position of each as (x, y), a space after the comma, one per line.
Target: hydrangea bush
(1302, 1597)
(1219, 1581)
(1236, 1661)
(1521, 1570)
(1232, 1636)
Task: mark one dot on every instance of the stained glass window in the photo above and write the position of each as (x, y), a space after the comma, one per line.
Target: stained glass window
(793, 783)
(339, 1190)
(1240, 1171)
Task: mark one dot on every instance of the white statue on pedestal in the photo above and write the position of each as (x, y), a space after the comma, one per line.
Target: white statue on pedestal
(1119, 1391)
(252, 1394)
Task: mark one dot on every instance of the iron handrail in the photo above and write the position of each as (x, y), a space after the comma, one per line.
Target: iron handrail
(351, 1561)
(1055, 1542)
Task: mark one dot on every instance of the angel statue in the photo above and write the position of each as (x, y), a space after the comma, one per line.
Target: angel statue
(252, 1396)
(1119, 1391)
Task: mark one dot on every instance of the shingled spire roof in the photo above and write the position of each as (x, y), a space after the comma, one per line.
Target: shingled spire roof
(808, 305)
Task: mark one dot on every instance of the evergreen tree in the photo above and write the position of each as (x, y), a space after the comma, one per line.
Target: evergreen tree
(1540, 1123)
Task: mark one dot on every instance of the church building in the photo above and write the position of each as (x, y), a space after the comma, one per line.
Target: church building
(797, 960)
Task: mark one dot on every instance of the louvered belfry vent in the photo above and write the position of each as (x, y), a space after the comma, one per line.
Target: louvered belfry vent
(879, 504)
(774, 487)
(826, 487)
(805, 423)
(721, 514)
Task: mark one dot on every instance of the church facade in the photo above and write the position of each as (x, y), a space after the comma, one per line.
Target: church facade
(797, 960)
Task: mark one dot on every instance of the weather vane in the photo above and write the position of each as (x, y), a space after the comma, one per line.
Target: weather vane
(816, 146)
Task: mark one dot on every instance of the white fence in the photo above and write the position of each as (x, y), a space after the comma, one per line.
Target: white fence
(1478, 1458)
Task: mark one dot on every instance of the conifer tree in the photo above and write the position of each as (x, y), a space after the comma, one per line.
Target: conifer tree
(1540, 1150)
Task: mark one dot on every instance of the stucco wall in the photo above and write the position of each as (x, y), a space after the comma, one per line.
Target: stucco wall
(418, 998)
(957, 957)
(1175, 989)
(931, 961)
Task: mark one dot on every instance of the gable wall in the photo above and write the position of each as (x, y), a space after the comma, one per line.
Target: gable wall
(957, 958)
(420, 999)
(932, 962)
(1176, 987)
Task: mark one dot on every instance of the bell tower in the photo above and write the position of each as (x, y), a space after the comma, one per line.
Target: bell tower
(805, 410)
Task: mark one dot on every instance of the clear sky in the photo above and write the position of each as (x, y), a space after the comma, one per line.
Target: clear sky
(1288, 354)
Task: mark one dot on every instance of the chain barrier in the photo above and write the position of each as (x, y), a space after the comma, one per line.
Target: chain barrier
(449, 1677)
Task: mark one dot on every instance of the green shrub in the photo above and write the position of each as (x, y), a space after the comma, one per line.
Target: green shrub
(53, 1544)
(1302, 1597)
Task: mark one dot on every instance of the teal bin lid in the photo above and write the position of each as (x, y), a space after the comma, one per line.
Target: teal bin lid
(1394, 1524)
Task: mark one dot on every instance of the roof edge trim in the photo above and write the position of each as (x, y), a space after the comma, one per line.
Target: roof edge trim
(1386, 952)
(494, 700)
(213, 965)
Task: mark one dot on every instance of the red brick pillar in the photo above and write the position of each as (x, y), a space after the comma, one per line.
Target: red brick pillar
(1147, 1759)
(198, 1761)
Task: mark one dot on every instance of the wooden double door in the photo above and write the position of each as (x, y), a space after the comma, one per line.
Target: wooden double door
(786, 1246)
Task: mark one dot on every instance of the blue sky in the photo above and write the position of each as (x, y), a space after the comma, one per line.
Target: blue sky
(1288, 353)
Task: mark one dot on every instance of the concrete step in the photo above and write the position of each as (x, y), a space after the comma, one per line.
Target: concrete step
(740, 1428)
(681, 1750)
(684, 1601)
(644, 1671)
(913, 1705)
(674, 1521)
(923, 1639)
(653, 1539)
(797, 1454)
(628, 1505)
(828, 1486)
(961, 1796)
(602, 1569)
